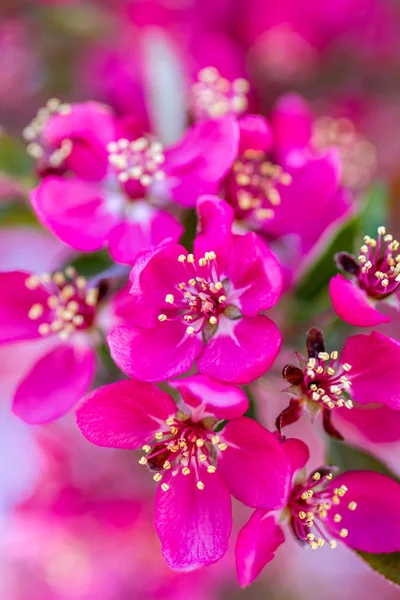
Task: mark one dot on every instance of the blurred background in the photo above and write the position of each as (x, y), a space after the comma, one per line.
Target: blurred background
(76, 520)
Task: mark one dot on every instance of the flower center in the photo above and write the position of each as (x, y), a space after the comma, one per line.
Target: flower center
(183, 445)
(139, 160)
(214, 96)
(325, 382)
(255, 181)
(380, 265)
(309, 505)
(357, 154)
(72, 303)
(37, 147)
(200, 299)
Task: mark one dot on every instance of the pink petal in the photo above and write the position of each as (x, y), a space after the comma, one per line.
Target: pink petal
(55, 384)
(215, 224)
(16, 300)
(255, 275)
(255, 134)
(375, 373)
(292, 123)
(254, 466)
(147, 227)
(256, 545)
(125, 414)
(352, 304)
(297, 453)
(155, 354)
(220, 400)
(374, 526)
(74, 210)
(31, 249)
(379, 424)
(241, 350)
(193, 525)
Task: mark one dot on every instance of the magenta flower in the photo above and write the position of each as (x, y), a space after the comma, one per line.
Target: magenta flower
(214, 96)
(198, 464)
(62, 307)
(366, 373)
(358, 508)
(205, 306)
(375, 277)
(108, 203)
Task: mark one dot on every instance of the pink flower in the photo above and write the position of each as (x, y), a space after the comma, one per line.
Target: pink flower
(203, 306)
(62, 307)
(213, 96)
(366, 373)
(198, 464)
(108, 203)
(375, 277)
(358, 508)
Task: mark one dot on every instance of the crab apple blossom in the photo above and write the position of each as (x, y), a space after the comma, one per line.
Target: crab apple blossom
(205, 306)
(63, 307)
(197, 459)
(356, 508)
(375, 276)
(366, 372)
(109, 201)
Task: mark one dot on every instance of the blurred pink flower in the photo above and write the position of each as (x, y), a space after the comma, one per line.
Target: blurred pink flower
(315, 507)
(206, 308)
(199, 464)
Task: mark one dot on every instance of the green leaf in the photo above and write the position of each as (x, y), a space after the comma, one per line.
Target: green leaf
(92, 263)
(17, 214)
(388, 565)
(349, 458)
(14, 159)
(375, 209)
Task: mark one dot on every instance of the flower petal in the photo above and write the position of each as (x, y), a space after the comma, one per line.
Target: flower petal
(297, 453)
(154, 354)
(16, 300)
(193, 525)
(74, 210)
(215, 223)
(378, 423)
(352, 305)
(254, 466)
(125, 414)
(55, 384)
(255, 275)
(375, 373)
(241, 350)
(147, 227)
(255, 134)
(374, 525)
(256, 545)
(221, 400)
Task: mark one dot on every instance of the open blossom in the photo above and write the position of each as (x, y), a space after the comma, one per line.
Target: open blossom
(118, 171)
(366, 372)
(197, 463)
(357, 508)
(213, 96)
(375, 276)
(63, 307)
(204, 306)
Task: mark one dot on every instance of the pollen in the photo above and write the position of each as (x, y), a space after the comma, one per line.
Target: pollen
(352, 505)
(200, 485)
(343, 533)
(35, 312)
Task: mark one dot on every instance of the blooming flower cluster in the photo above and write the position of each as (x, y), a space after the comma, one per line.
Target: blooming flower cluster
(182, 263)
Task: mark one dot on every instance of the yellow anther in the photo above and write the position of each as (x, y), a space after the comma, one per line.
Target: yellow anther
(310, 536)
(314, 545)
(173, 429)
(70, 272)
(44, 329)
(336, 500)
(323, 355)
(202, 262)
(330, 371)
(159, 435)
(222, 446)
(344, 533)
(185, 471)
(320, 542)
(202, 457)
(213, 320)
(317, 476)
(218, 286)
(337, 518)
(221, 299)
(346, 367)
(329, 476)
(32, 282)
(352, 505)
(162, 317)
(190, 330)
(165, 487)
(381, 230)
(59, 278)
(169, 298)
(81, 282)
(302, 514)
(334, 355)
(63, 336)
(199, 443)
(200, 485)
(35, 312)
(323, 513)
(167, 465)
(142, 460)
(333, 544)
(211, 469)
(157, 477)
(348, 404)
(190, 258)
(215, 439)
(146, 448)
(181, 258)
